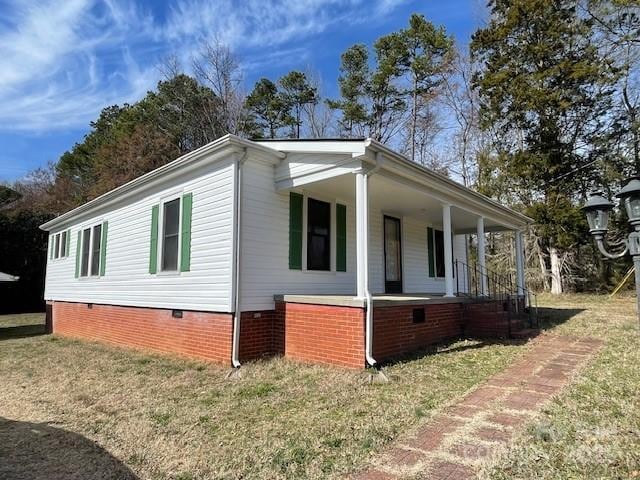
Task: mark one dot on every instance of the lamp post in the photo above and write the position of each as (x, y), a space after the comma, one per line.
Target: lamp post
(597, 210)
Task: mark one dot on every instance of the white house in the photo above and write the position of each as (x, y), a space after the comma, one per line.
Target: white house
(336, 251)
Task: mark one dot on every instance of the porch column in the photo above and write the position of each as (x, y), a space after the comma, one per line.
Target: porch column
(482, 260)
(519, 262)
(362, 233)
(448, 250)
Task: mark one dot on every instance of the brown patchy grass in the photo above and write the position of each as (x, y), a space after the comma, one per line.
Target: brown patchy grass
(164, 417)
(593, 429)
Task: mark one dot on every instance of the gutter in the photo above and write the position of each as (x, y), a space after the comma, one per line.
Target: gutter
(235, 346)
(481, 199)
(368, 336)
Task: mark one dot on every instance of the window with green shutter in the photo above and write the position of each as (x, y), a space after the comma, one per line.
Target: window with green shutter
(153, 247)
(103, 248)
(185, 251)
(341, 238)
(295, 231)
(78, 250)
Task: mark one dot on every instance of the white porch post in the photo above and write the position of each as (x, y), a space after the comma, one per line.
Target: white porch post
(362, 233)
(519, 262)
(482, 259)
(448, 250)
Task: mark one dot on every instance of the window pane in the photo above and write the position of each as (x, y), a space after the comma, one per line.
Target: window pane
(439, 241)
(318, 235)
(170, 235)
(392, 250)
(86, 239)
(95, 250)
(63, 244)
(56, 246)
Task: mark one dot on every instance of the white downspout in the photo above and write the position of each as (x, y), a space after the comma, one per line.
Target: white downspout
(369, 315)
(235, 346)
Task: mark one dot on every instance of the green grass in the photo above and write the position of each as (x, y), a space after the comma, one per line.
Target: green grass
(593, 429)
(165, 418)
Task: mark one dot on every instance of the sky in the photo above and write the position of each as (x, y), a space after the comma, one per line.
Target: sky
(61, 62)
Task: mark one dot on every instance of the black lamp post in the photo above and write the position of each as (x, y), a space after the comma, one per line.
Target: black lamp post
(597, 210)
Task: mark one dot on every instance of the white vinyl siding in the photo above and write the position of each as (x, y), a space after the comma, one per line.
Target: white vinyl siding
(265, 245)
(127, 281)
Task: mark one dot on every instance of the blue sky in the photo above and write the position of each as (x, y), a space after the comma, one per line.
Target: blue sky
(61, 62)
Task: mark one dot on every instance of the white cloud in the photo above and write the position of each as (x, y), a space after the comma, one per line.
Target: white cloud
(62, 62)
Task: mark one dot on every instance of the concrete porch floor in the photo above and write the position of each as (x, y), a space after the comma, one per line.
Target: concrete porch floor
(379, 299)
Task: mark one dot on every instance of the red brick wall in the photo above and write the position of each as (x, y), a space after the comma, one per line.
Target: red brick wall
(201, 335)
(260, 334)
(323, 333)
(486, 320)
(394, 332)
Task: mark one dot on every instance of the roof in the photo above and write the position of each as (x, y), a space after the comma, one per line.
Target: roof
(227, 142)
(276, 148)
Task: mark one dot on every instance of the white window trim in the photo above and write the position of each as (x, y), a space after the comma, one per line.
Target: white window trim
(89, 275)
(163, 200)
(56, 248)
(435, 257)
(333, 243)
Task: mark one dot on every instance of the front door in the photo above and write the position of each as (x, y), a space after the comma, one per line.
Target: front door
(392, 256)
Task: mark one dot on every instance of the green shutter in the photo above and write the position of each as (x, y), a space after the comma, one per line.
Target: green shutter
(103, 248)
(341, 238)
(68, 243)
(153, 249)
(78, 247)
(295, 231)
(185, 255)
(431, 252)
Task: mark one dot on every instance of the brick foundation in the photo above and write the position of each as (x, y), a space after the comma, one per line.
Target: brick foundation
(312, 333)
(395, 332)
(323, 333)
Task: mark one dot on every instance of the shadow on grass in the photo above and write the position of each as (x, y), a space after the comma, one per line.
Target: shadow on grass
(548, 318)
(22, 331)
(39, 451)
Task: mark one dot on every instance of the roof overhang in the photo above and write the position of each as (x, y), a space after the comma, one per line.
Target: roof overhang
(397, 167)
(211, 152)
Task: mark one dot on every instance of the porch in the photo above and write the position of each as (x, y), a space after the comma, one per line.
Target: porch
(403, 278)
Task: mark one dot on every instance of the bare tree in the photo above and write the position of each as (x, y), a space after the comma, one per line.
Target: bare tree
(320, 118)
(216, 67)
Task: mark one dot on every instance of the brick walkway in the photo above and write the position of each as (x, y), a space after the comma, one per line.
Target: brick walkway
(455, 442)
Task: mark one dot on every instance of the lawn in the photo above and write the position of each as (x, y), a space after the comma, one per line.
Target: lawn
(163, 417)
(593, 429)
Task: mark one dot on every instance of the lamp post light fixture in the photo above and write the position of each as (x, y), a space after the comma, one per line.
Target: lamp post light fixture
(597, 210)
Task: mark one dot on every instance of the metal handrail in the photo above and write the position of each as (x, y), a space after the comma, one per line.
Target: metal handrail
(497, 287)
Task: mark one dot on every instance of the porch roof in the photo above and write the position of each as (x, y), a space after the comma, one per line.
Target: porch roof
(401, 185)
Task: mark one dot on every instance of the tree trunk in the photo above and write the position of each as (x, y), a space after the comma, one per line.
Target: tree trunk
(556, 272)
(543, 268)
(414, 120)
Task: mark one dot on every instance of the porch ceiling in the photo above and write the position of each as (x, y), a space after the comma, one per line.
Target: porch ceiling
(395, 198)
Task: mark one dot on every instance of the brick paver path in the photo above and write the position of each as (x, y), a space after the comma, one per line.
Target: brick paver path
(455, 442)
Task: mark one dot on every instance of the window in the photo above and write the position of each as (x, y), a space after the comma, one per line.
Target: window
(63, 244)
(56, 246)
(84, 259)
(95, 250)
(439, 252)
(318, 235)
(170, 235)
